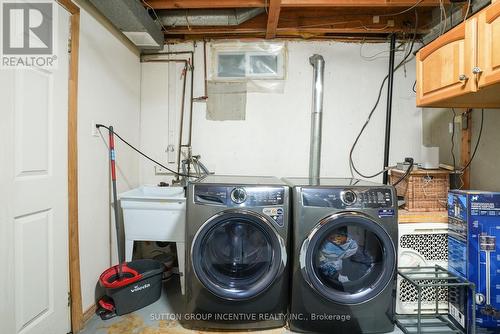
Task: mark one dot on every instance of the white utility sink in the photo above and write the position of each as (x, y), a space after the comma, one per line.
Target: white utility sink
(153, 192)
(152, 213)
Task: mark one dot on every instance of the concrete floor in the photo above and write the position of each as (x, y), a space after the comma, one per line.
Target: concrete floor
(157, 318)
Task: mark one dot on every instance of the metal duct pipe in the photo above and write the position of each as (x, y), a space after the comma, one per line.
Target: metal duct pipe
(208, 17)
(318, 64)
(133, 20)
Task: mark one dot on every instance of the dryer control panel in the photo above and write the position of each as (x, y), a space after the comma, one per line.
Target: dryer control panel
(239, 196)
(353, 198)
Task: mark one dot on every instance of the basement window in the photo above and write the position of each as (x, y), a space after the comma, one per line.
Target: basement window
(248, 61)
(231, 66)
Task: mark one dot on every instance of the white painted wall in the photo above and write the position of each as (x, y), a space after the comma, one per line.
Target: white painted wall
(109, 93)
(274, 138)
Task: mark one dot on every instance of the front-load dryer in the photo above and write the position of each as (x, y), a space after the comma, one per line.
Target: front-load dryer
(237, 233)
(344, 256)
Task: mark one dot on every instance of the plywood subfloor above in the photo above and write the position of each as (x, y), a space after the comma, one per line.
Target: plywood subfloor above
(317, 19)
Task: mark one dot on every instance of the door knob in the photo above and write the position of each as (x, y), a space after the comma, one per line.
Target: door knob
(463, 77)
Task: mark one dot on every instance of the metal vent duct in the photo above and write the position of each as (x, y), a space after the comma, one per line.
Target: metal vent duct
(207, 17)
(133, 20)
(318, 64)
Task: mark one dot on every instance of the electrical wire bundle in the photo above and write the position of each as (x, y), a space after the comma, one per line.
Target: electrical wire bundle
(352, 166)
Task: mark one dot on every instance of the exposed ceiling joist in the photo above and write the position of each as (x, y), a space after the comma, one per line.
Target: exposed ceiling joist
(298, 18)
(361, 3)
(199, 4)
(273, 18)
(310, 23)
(187, 4)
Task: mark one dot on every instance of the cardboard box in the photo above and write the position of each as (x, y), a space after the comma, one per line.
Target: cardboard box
(474, 253)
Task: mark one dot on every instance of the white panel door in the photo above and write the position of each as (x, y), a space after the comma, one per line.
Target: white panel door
(33, 196)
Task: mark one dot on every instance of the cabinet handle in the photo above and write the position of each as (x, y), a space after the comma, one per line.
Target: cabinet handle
(463, 77)
(477, 70)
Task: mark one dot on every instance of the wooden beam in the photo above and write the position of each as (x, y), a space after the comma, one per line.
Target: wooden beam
(465, 146)
(359, 3)
(74, 244)
(199, 4)
(89, 314)
(185, 4)
(73, 240)
(282, 32)
(273, 18)
(69, 6)
(293, 24)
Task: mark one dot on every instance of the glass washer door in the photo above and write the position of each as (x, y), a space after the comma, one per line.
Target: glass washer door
(237, 254)
(348, 258)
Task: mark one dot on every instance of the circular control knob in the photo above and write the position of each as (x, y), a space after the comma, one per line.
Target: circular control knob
(238, 195)
(348, 197)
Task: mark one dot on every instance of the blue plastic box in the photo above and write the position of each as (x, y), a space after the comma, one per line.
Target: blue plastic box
(474, 253)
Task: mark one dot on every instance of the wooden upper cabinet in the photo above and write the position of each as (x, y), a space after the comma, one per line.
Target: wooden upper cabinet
(444, 67)
(462, 67)
(489, 42)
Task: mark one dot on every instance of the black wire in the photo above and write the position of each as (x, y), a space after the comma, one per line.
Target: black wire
(144, 155)
(414, 86)
(453, 140)
(477, 143)
(403, 61)
(405, 175)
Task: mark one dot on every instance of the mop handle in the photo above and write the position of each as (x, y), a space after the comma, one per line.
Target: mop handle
(112, 156)
(112, 160)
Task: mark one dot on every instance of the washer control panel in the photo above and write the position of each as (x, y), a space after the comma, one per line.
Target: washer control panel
(239, 196)
(348, 197)
(340, 198)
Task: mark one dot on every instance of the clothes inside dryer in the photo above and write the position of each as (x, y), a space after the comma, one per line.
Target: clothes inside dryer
(349, 259)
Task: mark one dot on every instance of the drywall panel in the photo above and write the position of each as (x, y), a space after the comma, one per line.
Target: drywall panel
(274, 137)
(484, 167)
(109, 93)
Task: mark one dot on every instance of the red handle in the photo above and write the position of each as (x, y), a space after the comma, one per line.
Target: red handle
(109, 278)
(112, 156)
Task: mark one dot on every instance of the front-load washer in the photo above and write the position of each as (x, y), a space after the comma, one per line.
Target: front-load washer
(344, 256)
(237, 234)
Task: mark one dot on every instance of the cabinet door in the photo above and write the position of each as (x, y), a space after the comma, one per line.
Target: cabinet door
(444, 67)
(489, 45)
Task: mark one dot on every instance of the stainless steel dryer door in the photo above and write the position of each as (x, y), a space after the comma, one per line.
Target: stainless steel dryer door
(237, 254)
(348, 258)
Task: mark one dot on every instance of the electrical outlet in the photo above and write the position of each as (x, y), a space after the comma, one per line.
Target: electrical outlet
(376, 19)
(161, 171)
(390, 23)
(95, 131)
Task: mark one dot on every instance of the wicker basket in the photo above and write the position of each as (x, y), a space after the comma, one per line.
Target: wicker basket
(423, 190)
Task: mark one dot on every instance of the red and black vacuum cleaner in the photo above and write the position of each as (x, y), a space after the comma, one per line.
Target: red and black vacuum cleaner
(128, 286)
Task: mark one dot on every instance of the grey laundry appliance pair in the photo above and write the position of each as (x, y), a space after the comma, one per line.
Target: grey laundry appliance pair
(332, 268)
